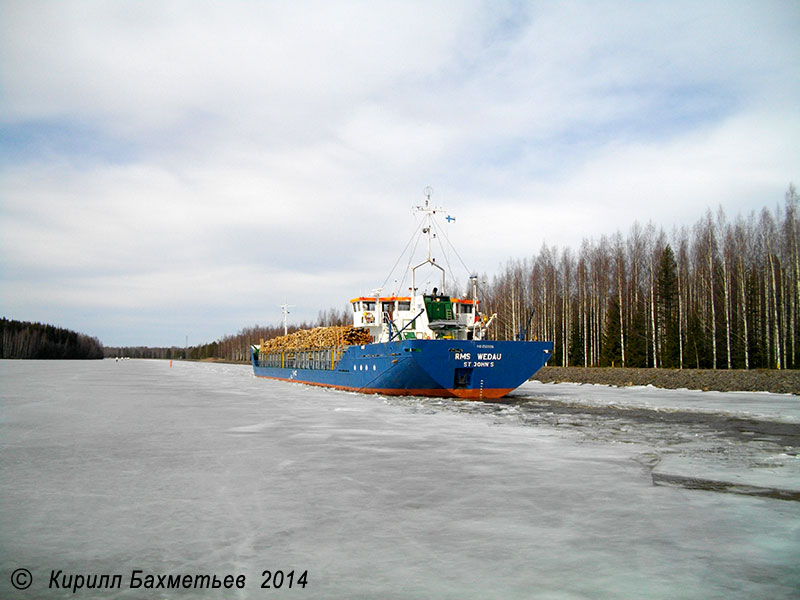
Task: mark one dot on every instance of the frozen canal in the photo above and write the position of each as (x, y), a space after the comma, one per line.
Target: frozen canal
(564, 492)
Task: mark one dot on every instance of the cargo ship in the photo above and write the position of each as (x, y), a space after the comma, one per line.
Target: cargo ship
(427, 344)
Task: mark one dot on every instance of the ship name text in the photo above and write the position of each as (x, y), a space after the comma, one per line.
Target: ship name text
(480, 356)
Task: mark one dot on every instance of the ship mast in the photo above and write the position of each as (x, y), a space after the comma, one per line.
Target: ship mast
(427, 229)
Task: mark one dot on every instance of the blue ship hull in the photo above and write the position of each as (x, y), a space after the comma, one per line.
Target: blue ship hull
(469, 369)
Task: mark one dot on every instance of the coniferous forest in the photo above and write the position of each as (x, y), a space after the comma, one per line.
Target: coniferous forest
(21, 339)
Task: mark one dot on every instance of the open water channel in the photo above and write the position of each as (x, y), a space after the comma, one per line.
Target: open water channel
(139, 468)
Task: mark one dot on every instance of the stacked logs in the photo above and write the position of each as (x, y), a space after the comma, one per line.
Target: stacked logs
(319, 337)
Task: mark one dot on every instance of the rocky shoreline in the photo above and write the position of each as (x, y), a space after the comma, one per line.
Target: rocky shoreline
(761, 380)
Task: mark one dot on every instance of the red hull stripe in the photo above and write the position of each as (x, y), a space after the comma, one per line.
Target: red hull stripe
(484, 394)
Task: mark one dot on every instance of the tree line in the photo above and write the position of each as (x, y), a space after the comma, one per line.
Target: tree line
(719, 294)
(25, 340)
(144, 352)
(234, 347)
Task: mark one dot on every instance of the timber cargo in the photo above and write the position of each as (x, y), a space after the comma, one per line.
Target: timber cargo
(428, 344)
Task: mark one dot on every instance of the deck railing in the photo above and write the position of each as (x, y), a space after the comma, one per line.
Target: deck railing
(318, 359)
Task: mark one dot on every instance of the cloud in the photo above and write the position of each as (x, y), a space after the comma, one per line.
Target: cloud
(164, 162)
(670, 184)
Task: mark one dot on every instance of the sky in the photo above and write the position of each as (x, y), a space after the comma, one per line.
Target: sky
(174, 171)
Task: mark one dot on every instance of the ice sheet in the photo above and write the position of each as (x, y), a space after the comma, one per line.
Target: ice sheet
(197, 468)
(784, 407)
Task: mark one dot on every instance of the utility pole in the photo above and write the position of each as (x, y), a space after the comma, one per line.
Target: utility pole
(286, 308)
